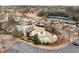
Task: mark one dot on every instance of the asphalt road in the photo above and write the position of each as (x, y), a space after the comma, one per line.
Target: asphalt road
(21, 47)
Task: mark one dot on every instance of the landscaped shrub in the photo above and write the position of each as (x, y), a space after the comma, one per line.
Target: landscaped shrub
(47, 43)
(36, 39)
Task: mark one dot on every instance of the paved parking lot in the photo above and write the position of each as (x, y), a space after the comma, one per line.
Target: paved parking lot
(21, 47)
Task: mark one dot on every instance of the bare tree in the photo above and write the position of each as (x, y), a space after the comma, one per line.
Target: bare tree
(3, 43)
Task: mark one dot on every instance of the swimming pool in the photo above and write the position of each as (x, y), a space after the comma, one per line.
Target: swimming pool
(44, 38)
(23, 28)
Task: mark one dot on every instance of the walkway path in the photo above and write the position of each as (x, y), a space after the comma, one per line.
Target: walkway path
(21, 47)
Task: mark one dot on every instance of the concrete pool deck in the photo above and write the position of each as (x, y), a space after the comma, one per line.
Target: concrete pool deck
(38, 30)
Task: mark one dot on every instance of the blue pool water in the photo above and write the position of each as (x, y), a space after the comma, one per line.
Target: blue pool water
(23, 28)
(44, 38)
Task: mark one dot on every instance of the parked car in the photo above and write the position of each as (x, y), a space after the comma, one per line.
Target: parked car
(76, 43)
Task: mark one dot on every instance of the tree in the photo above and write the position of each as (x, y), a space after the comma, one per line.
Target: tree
(36, 39)
(3, 46)
(11, 20)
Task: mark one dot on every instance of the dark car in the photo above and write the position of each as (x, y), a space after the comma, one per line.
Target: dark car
(76, 43)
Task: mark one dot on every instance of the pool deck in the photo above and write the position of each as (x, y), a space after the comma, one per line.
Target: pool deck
(41, 29)
(21, 47)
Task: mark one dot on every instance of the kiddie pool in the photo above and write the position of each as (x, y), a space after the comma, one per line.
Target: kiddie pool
(44, 38)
